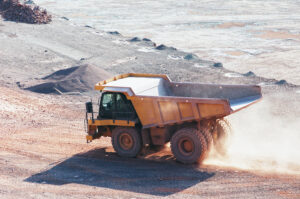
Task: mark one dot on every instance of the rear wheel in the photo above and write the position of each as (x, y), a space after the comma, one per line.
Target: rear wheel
(188, 146)
(208, 138)
(221, 135)
(126, 141)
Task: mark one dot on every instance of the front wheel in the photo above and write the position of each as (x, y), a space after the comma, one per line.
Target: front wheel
(188, 146)
(127, 142)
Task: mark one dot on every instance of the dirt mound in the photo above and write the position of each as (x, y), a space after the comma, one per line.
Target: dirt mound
(163, 47)
(190, 56)
(75, 79)
(134, 39)
(13, 10)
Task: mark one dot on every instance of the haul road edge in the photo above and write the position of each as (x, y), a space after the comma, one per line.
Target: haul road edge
(136, 110)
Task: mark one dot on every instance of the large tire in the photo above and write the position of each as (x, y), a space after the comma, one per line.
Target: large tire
(188, 146)
(127, 142)
(222, 131)
(208, 138)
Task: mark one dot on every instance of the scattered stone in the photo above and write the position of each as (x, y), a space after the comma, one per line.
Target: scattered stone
(149, 42)
(135, 39)
(218, 65)
(65, 18)
(19, 84)
(163, 47)
(249, 74)
(28, 2)
(146, 39)
(190, 57)
(281, 82)
(114, 33)
(13, 10)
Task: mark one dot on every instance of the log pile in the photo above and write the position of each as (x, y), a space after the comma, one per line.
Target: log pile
(13, 10)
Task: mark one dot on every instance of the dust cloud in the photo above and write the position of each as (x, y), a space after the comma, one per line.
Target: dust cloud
(262, 139)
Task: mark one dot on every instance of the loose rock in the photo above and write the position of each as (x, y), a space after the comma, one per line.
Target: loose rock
(163, 47)
(218, 65)
(13, 10)
(249, 74)
(281, 82)
(190, 57)
(135, 39)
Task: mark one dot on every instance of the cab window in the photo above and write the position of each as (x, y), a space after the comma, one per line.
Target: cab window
(122, 104)
(107, 101)
(116, 106)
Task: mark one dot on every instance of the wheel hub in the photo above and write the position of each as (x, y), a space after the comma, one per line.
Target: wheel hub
(126, 141)
(186, 146)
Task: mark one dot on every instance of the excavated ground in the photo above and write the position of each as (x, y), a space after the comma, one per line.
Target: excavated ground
(43, 153)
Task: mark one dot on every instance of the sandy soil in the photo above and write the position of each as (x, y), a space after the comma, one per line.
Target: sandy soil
(230, 25)
(43, 150)
(44, 155)
(208, 28)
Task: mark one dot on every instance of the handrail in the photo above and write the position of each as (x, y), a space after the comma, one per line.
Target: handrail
(101, 85)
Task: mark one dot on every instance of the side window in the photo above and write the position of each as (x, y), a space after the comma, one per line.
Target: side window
(122, 104)
(107, 102)
(115, 106)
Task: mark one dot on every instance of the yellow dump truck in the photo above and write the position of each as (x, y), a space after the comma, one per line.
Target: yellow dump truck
(138, 110)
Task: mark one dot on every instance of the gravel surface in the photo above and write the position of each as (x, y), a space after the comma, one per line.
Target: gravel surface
(42, 137)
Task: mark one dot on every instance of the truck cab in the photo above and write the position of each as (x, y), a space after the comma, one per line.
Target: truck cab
(115, 106)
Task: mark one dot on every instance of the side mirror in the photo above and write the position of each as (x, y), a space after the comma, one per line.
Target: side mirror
(89, 107)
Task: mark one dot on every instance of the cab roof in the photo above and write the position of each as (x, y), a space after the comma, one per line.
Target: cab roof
(136, 84)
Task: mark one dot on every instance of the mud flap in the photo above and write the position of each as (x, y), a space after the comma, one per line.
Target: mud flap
(89, 138)
(146, 136)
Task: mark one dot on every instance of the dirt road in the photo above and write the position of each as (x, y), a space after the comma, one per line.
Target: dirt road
(43, 152)
(44, 155)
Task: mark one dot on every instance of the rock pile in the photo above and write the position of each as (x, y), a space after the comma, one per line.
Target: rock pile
(80, 78)
(13, 10)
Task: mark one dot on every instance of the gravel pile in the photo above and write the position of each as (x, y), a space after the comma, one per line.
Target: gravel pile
(13, 10)
(75, 79)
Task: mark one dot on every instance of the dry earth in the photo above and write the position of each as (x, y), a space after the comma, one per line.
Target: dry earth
(44, 155)
(43, 151)
(265, 33)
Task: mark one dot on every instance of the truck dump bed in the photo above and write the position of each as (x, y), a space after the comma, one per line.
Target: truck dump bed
(159, 101)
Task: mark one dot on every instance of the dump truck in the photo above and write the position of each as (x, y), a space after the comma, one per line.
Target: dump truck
(138, 110)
